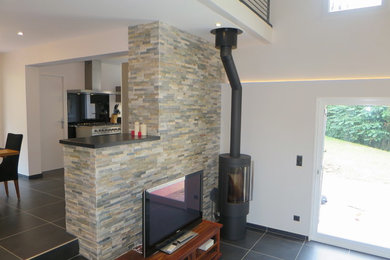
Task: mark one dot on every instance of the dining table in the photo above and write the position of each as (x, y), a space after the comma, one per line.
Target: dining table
(8, 152)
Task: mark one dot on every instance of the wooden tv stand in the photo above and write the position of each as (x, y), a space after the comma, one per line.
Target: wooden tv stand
(206, 230)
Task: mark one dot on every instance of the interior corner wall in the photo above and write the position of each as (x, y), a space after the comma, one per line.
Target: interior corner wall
(14, 92)
(279, 123)
(311, 43)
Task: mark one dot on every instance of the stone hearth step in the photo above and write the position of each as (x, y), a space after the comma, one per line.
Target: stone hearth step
(65, 251)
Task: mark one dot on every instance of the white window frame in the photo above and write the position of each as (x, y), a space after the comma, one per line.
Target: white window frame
(354, 8)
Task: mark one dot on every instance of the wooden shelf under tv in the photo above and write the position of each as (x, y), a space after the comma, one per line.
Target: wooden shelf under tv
(190, 251)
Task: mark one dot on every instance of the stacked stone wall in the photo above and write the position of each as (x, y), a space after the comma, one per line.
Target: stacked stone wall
(174, 87)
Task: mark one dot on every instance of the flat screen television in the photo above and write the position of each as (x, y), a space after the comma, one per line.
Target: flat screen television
(169, 210)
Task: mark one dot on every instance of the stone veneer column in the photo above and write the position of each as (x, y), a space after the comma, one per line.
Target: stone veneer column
(174, 87)
(144, 77)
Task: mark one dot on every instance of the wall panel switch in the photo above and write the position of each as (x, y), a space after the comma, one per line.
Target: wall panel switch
(299, 160)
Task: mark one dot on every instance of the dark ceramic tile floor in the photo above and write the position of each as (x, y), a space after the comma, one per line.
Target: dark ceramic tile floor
(258, 245)
(36, 223)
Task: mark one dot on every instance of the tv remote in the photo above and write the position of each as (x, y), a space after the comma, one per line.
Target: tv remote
(170, 249)
(185, 237)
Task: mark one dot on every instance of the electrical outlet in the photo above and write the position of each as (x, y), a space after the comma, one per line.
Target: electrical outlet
(299, 160)
(297, 218)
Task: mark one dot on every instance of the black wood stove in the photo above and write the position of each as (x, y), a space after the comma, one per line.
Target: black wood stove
(235, 174)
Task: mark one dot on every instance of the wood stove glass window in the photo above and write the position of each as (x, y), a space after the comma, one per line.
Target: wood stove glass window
(238, 184)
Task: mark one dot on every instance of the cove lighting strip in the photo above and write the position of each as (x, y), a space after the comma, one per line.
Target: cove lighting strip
(313, 79)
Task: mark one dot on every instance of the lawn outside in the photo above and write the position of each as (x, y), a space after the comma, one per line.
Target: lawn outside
(356, 182)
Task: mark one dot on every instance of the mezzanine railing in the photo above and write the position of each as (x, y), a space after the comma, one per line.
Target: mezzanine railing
(260, 8)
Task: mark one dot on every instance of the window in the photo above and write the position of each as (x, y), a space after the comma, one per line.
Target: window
(342, 5)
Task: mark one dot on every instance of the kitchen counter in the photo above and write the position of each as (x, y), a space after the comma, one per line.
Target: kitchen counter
(101, 141)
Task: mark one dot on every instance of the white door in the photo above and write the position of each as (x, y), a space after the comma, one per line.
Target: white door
(52, 122)
(334, 221)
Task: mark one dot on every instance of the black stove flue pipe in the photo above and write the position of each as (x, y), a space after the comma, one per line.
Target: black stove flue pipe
(226, 40)
(234, 168)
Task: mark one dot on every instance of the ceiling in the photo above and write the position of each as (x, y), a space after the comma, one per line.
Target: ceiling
(44, 21)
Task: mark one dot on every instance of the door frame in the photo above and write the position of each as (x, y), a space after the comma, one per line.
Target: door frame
(321, 104)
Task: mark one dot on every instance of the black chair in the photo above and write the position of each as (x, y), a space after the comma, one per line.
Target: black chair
(9, 166)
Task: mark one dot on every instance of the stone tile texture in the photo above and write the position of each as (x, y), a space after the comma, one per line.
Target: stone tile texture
(174, 88)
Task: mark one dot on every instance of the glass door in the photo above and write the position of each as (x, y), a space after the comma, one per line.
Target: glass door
(353, 186)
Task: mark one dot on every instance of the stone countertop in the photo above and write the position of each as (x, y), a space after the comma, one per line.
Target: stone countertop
(101, 141)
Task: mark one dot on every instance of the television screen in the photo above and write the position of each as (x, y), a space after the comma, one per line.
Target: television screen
(170, 208)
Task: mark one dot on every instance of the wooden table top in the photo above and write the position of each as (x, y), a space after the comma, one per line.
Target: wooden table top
(8, 152)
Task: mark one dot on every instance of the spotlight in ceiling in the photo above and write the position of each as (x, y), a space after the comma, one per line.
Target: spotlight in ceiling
(20, 33)
(218, 24)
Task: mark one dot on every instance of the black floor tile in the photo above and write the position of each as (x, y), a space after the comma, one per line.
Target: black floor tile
(30, 199)
(6, 210)
(361, 256)
(286, 235)
(60, 222)
(54, 174)
(44, 198)
(230, 252)
(18, 223)
(257, 256)
(35, 241)
(60, 192)
(4, 255)
(250, 239)
(79, 257)
(63, 252)
(11, 191)
(50, 212)
(278, 247)
(314, 250)
(50, 184)
(24, 182)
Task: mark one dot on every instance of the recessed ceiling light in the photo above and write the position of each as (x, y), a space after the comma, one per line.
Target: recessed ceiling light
(218, 24)
(20, 33)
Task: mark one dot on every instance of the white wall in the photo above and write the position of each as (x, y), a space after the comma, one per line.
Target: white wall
(1, 101)
(308, 42)
(111, 77)
(278, 123)
(15, 88)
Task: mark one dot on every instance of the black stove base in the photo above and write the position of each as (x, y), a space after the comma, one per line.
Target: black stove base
(233, 228)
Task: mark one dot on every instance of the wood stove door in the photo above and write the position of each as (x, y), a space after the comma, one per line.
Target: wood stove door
(239, 183)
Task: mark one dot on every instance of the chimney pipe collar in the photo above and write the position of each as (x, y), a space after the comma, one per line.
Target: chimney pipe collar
(226, 37)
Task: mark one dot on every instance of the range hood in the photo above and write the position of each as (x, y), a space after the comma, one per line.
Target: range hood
(93, 84)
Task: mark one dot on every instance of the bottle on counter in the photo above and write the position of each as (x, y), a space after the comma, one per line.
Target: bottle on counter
(136, 127)
(143, 130)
